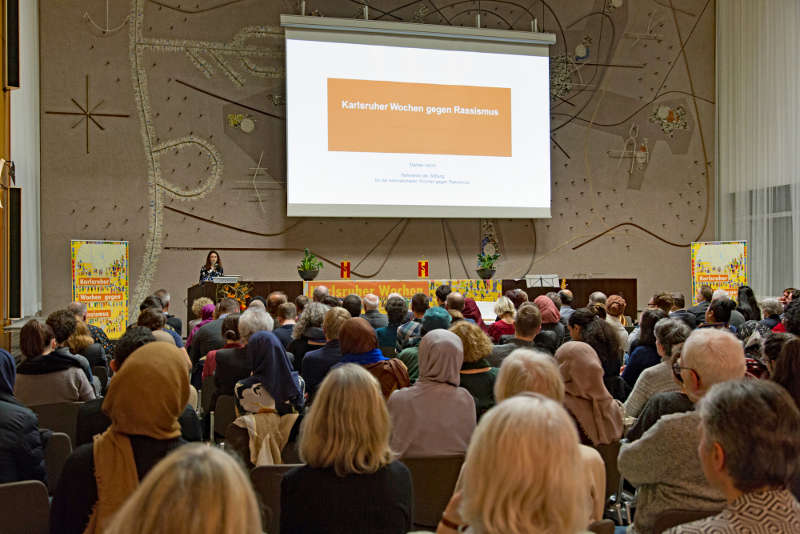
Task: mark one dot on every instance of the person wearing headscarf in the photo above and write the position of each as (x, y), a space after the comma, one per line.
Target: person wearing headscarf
(358, 343)
(434, 417)
(598, 415)
(206, 316)
(144, 401)
(471, 311)
(21, 443)
(553, 331)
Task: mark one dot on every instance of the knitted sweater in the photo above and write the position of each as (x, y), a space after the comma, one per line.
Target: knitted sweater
(664, 466)
(656, 379)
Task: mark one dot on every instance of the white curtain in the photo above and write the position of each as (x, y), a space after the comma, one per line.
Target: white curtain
(758, 106)
(25, 154)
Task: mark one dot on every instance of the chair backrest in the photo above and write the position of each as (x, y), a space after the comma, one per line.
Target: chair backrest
(671, 518)
(58, 449)
(605, 526)
(59, 417)
(102, 374)
(267, 485)
(24, 508)
(434, 480)
(208, 388)
(224, 413)
(609, 453)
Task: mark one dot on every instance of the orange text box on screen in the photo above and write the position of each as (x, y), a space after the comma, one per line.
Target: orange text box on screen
(425, 118)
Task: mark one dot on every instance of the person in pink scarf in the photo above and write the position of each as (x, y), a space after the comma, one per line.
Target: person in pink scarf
(206, 315)
(551, 319)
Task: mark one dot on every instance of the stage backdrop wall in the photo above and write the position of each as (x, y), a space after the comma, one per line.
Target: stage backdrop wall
(185, 146)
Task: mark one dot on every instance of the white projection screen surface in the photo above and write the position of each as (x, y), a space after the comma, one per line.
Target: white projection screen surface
(415, 120)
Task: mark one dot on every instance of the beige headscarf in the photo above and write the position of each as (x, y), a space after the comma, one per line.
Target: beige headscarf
(587, 399)
(145, 398)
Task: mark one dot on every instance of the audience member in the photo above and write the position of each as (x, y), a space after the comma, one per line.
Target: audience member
(566, 303)
(154, 319)
(455, 302)
(645, 354)
(662, 301)
(285, 316)
(307, 333)
(615, 316)
(748, 305)
(441, 294)
(154, 303)
(670, 335)
(352, 303)
(736, 318)
(231, 362)
(434, 417)
(680, 312)
(749, 449)
(527, 324)
(772, 346)
(598, 297)
(230, 331)
(517, 296)
(300, 302)
(719, 314)
(144, 401)
(772, 309)
(536, 372)
(786, 297)
(197, 311)
(81, 313)
(206, 316)
(332, 302)
(787, 369)
(91, 418)
(21, 442)
(791, 318)
(317, 363)
(209, 336)
(371, 312)
(477, 376)
(49, 375)
(663, 463)
(551, 322)
(407, 332)
(455, 316)
(172, 320)
(598, 415)
(522, 474)
(504, 323)
(274, 301)
(344, 441)
(81, 342)
(273, 385)
(434, 319)
(359, 345)
(472, 313)
(704, 296)
(319, 293)
(587, 326)
(396, 310)
(197, 489)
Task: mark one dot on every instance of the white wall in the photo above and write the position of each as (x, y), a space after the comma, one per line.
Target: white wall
(25, 154)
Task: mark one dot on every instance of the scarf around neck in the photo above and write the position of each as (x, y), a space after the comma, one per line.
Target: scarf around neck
(364, 358)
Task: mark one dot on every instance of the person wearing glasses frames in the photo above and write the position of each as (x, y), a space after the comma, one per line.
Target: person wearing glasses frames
(663, 463)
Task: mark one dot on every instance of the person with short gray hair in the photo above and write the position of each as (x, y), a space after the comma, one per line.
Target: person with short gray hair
(598, 297)
(371, 312)
(251, 321)
(772, 309)
(670, 335)
(172, 320)
(320, 292)
(750, 451)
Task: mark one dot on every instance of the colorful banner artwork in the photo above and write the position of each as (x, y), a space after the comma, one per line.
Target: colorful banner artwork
(719, 264)
(100, 279)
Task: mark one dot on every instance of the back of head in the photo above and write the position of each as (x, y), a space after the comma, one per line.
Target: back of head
(523, 471)
(722, 309)
(253, 320)
(504, 306)
(420, 303)
(647, 335)
(566, 297)
(441, 355)
(163, 295)
(773, 344)
(312, 316)
(198, 489)
(331, 301)
(80, 339)
(441, 292)
(371, 302)
(434, 319)
(230, 326)
(274, 300)
(787, 368)
(286, 311)
(133, 338)
(62, 323)
(151, 301)
(455, 301)
(529, 370)
(771, 307)
(678, 301)
(352, 303)
(300, 302)
(582, 317)
(396, 310)
(671, 334)
(528, 320)
(34, 338)
(602, 337)
(715, 356)
(319, 293)
(719, 294)
(757, 424)
(356, 336)
(333, 322)
(228, 305)
(598, 297)
(615, 305)
(663, 301)
(791, 317)
(517, 296)
(198, 304)
(707, 293)
(152, 318)
(552, 295)
(78, 309)
(347, 427)
(476, 343)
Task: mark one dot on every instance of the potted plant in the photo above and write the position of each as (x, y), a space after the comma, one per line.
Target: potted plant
(486, 265)
(309, 266)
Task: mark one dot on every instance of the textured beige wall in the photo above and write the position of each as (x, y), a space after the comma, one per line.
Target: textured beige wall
(179, 68)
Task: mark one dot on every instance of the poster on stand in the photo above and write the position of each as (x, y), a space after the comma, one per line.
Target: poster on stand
(100, 280)
(719, 264)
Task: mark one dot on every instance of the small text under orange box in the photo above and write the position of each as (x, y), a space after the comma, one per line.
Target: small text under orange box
(98, 314)
(418, 118)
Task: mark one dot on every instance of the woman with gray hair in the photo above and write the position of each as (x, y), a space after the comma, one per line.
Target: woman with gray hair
(307, 334)
(670, 335)
(772, 309)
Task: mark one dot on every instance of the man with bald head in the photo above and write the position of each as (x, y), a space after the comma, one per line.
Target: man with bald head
(663, 463)
(455, 301)
(320, 292)
(371, 312)
(567, 298)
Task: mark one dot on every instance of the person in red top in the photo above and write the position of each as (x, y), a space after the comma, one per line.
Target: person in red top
(504, 324)
(230, 331)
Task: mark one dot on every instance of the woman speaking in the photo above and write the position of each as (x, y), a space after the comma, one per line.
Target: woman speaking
(212, 268)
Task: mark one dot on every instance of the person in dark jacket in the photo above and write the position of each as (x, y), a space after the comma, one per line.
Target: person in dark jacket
(285, 317)
(172, 320)
(477, 376)
(351, 482)
(704, 297)
(396, 311)
(21, 442)
(645, 354)
(91, 418)
(144, 401)
(317, 363)
(307, 333)
(209, 336)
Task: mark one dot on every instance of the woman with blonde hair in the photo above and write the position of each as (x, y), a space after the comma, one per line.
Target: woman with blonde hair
(477, 376)
(351, 482)
(536, 372)
(197, 310)
(81, 342)
(504, 324)
(197, 489)
(522, 473)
